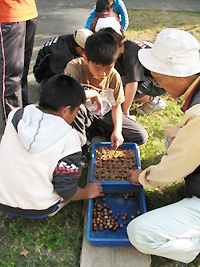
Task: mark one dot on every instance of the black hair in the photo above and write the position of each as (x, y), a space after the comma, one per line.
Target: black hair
(102, 5)
(61, 91)
(101, 48)
(120, 38)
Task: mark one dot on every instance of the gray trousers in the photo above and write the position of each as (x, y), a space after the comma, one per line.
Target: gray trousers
(16, 45)
(87, 124)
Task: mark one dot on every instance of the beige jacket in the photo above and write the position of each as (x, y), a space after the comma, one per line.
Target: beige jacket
(183, 155)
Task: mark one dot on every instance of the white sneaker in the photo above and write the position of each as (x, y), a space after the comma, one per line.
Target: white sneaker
(148, 108)
(133, 117)
(60, 206)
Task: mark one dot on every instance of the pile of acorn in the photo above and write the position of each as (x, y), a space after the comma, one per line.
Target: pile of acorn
(114, 165)
(104, 218)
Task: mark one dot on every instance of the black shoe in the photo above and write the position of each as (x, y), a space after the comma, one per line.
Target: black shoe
(85, 155)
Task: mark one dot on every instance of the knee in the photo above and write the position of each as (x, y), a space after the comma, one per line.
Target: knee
(139, 135)
(133, 231)
(143, 137)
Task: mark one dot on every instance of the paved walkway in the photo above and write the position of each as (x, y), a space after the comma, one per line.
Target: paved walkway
(183, 5)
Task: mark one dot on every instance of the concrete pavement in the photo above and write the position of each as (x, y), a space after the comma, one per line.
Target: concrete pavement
(184, 5)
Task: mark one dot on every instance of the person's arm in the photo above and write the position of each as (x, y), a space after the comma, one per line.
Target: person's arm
(182, 156)
(130, 91)
(91, 190)
(41, 64)
(116, 137)
(90, 18)
(122, 11)
(66, 176)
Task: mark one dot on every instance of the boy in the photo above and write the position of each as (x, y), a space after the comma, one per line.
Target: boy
(57, 52)
(137, 80)
(40, 153)
(103, 87)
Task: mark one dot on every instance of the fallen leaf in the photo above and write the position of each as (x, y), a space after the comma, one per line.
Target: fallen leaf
(37, 249)
(24, 253)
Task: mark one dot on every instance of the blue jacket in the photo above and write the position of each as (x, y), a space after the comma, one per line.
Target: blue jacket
(119, 8)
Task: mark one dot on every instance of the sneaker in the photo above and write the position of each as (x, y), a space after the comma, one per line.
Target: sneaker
(148, 108)
(133, 117)
(61, 204)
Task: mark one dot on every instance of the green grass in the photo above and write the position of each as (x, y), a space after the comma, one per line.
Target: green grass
(146, 24)
(57, 241)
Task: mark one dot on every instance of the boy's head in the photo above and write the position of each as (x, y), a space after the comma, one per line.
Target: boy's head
(62, 95)
(101, 52)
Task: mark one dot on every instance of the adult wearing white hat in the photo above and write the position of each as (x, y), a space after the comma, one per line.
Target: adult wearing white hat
(173, 231)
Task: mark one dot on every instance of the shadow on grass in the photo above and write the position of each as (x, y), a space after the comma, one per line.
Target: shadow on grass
(156, 198)
(151, 161)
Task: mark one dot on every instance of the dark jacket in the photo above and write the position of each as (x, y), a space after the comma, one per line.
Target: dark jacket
(192, 181)
(54, 56)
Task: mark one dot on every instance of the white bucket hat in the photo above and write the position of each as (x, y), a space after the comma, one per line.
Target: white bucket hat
(81, 35)
(174, 53)
(109, 22)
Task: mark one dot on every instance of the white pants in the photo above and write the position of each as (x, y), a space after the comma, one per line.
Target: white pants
(172, 231)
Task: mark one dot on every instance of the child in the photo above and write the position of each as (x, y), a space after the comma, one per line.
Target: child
(57, 52)
(40, 153)
(137, 80)
(103, 11)
(119, 8)
(104, 88)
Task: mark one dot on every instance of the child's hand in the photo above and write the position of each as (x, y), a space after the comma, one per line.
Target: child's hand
(116, 139)
(134, 176)
(94, 190)
(98, 101)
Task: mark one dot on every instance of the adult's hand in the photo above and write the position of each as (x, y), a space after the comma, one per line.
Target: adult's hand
(134, 176)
